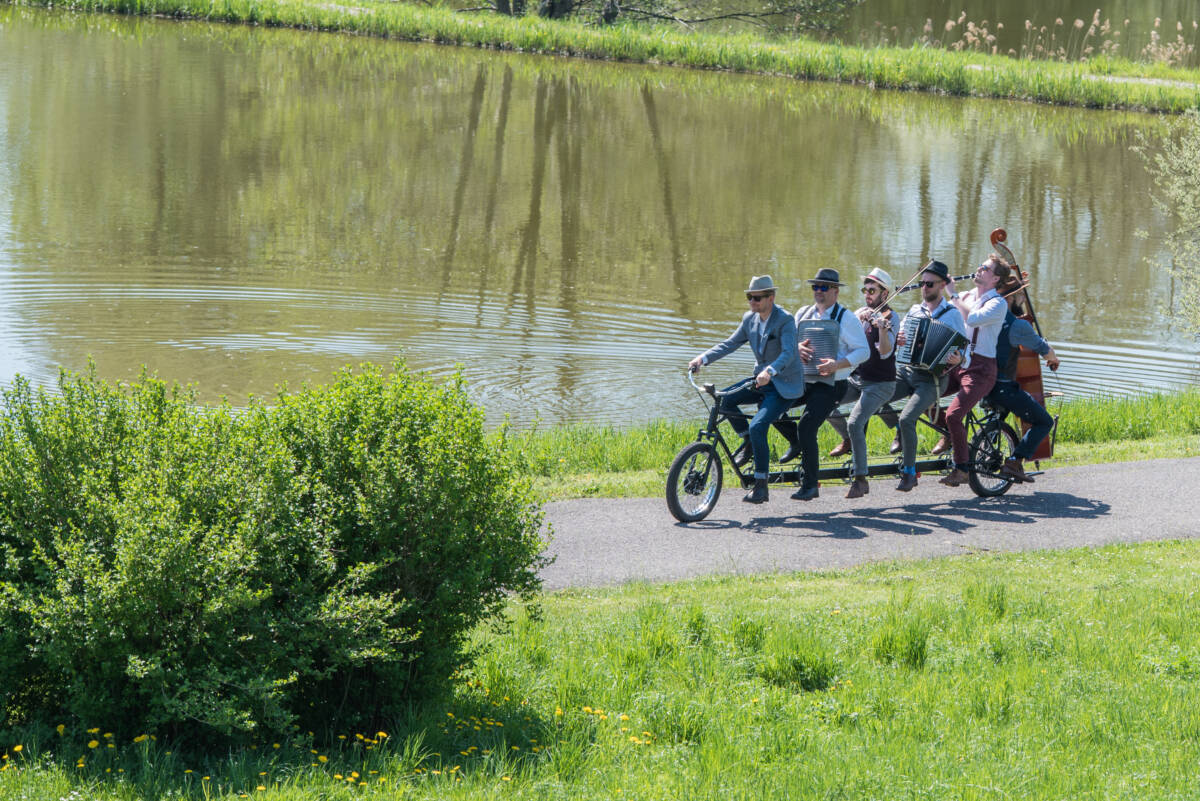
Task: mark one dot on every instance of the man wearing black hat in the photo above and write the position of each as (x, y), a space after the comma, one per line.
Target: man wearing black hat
(921, 387)
(770, 332)
(824, 390)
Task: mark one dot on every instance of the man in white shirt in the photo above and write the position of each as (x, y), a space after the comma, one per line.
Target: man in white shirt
(983, 311)
(822, 395)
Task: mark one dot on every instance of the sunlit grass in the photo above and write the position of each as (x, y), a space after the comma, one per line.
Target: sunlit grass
(603, 461)
(914, 68)
(1068, 674)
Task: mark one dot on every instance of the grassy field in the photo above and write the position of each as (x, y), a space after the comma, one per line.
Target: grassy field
(593, 461)
(1098, 83)
(1058, 675)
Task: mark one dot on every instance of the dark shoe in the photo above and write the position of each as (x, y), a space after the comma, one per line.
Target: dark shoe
(792, 453)
(759, 493)
(955, 478)
(1014, 470)
(841, 450)
(941, 446)
(907, 482)
(858, 487)
(744, 454)
(806, 494)
(896, 446)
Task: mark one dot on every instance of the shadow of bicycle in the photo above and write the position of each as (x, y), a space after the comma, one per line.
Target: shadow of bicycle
(918, 519)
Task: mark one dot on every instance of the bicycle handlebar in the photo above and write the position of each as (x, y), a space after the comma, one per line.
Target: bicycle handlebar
(711, 388)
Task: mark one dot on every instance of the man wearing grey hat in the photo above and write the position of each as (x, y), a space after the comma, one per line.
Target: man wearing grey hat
(873, 382)
(778, 374)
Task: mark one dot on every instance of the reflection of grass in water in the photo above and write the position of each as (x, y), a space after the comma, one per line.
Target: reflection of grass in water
(572, 461)
(924, 69)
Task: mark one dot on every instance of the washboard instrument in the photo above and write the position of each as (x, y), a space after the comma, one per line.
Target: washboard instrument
(928, 344)
(823, 336)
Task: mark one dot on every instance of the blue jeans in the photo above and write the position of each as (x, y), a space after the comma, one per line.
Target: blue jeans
(770, 406)
(1010, 395)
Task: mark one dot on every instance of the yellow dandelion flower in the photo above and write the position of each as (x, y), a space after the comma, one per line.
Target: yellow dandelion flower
(108, 735)
(141, 738)
(93, 731)
(189, 770)
(263, 773)
(435, 772)
(382, 779)
(205, 778)
(587, 709)
(506, 778)
(354, 774)
(624, 717)
(111, 745)
(381, 735)
(60, 728)
(322, 759)
(337, 776)
(516, 748)
(558, 711)
(260, 788)
(93, 743)
(275, 746)
(18, 749)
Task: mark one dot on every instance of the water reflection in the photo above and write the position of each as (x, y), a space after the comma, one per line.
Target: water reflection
(241, 207)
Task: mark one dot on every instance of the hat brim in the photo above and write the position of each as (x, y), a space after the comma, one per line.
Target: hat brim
(877, 282)
(831, 283)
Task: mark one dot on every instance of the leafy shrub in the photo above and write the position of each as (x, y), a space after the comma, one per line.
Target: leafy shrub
(321, 561)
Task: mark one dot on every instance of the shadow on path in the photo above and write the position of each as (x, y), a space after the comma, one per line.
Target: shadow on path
(960, 515)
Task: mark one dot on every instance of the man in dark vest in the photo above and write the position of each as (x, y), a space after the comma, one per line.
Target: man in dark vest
(873, 382)
(1007, 393)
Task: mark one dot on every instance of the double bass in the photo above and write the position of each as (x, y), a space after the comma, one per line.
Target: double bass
(1029, 365)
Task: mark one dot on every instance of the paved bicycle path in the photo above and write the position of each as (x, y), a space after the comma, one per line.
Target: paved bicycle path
(612, 541)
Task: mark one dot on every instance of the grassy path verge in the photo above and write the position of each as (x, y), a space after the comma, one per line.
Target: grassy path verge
(922, 69)
(594, 461)
(1070, 674)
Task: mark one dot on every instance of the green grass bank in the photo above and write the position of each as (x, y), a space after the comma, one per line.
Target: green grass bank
(600, 461)
(1071, 674)
(1100, 83)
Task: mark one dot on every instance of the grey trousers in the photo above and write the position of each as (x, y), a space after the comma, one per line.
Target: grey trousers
(870, 396)
(924, 390)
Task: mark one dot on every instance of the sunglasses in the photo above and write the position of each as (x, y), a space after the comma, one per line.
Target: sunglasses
(870, 290)
(821, 287)
(756, 298)
(927, 283)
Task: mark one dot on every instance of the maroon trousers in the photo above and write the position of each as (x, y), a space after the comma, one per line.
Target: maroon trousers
(974, 382)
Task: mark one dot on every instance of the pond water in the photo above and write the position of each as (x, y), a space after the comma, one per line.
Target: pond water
(238, 208)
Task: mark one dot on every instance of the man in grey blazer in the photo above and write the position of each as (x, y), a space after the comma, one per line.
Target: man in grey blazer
(778, 374)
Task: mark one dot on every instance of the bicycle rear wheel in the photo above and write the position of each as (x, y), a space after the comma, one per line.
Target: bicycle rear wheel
(694, 482)
(990, 447)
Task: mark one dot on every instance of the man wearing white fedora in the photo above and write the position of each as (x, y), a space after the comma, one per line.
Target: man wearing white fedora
(770, 332)
(874, 381)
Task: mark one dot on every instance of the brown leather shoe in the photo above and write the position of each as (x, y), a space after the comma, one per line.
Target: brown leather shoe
(1014, 470)
(896, 446)
(941, 446)
(955, 478)
(842, 449)
(858, 487)
(908, 481)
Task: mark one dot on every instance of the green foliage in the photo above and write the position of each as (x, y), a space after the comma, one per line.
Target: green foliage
(318, 561)
(1175, 165)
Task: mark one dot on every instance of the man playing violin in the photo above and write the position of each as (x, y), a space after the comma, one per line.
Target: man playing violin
(873, 382)
(778, 380)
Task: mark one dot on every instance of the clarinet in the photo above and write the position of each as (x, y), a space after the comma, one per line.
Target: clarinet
(956, 279)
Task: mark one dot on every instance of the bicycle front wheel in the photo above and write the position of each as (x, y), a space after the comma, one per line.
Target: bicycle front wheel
(990, 447)
(694, 482)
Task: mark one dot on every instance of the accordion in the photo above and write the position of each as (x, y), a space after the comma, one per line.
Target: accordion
(928, 344)
(824, 336)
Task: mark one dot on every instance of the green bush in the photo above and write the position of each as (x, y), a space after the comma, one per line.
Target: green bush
(211, 572)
